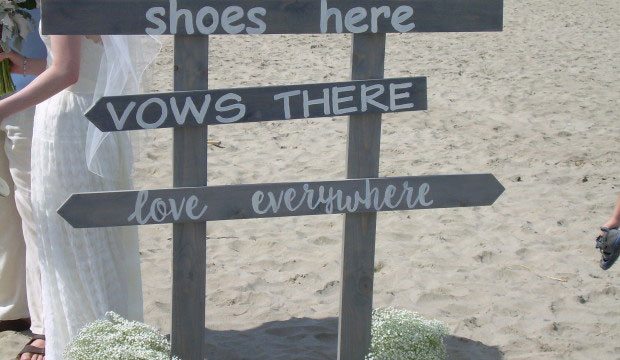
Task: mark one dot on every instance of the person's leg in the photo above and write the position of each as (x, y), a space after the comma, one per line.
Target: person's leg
(17, 148)
(13, 298)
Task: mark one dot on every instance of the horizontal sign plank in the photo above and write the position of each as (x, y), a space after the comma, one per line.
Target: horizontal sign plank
(179, 205)
(195, 17)
(227, 106)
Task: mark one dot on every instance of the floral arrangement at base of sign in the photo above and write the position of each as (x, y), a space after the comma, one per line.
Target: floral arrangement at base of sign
(404, 335)
(115, 338)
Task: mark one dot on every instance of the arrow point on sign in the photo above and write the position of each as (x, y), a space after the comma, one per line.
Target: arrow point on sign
(498, 187)
(91, 115)
(65, 211)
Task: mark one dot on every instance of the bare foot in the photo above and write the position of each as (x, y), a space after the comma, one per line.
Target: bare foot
(29, 356)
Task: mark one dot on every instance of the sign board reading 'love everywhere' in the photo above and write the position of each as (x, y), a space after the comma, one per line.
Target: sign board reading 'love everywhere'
(206, 17)
(212, 107)
(181, 205)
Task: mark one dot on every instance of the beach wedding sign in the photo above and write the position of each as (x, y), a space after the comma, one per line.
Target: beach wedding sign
(192, 107)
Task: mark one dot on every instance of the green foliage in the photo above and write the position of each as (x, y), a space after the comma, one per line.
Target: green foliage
(27, 4)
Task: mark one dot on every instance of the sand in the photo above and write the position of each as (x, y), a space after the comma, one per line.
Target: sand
(536, 105)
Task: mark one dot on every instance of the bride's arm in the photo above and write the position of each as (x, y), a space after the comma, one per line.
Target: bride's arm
(62, 73)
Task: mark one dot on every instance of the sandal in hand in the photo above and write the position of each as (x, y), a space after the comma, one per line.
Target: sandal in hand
(609, 245)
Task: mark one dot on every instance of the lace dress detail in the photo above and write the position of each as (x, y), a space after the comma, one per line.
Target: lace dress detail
(85, 272)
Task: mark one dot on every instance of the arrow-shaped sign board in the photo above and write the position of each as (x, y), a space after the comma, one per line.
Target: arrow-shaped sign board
(182, 205)
(212, 107)
(206, 17)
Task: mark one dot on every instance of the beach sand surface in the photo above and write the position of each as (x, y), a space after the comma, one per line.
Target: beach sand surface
(535, 105)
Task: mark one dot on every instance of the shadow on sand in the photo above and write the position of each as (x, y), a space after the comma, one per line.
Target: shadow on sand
(310, 339)
(465, 349)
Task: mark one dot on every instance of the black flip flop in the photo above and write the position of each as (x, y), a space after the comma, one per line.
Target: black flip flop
(609, 245)
(31, 349)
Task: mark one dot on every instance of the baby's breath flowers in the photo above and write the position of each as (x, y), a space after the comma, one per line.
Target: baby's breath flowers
(114, 338)
(405, 335)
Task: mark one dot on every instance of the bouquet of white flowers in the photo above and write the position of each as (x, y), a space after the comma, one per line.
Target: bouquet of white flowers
(405, 335)
(16, 24)
(114, 338)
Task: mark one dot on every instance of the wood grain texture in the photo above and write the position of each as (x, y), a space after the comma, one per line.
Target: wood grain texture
(189, 253)
(259, 104)
(86, 17)
(358, 245)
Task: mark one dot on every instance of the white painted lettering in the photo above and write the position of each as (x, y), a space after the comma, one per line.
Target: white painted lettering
(229, 16)
(188, 106)
(308, 102)
(286, 96)
(375, 12)
(326, 13)
(207, 20)
(163, 113)
(337, 100)
(378, 89)
(160, 24)
(192, 203)
(390, 191)
(257, 199)
(353, 17)
(120, 123)
(175, 14)
(200, 20)
(289, 196)
(141, 200)
(404, 95)
(422, 192)
(236, 105)
(161, 210)
(274, 203)
(332, 199)
(402, 14)
(253, 17)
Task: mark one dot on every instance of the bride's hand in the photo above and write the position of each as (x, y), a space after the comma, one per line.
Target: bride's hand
(16, 60)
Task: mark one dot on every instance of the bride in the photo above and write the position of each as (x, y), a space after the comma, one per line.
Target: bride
(85, 272)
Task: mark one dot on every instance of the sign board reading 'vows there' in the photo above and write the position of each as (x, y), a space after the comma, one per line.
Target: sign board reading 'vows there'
(205, 17)
(212, 107)
(181, 205)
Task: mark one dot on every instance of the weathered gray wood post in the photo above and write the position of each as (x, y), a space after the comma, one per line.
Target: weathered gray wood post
(189, 249)
(358, 245)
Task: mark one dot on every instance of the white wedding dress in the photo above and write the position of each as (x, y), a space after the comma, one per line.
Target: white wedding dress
(85, 272)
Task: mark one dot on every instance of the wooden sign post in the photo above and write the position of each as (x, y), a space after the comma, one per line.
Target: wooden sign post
(191, 203)
(358, 243)
(189, 247)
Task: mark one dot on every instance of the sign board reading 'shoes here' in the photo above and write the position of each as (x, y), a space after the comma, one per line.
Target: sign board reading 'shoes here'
(206, 17)
(212, 107)
(181, 205)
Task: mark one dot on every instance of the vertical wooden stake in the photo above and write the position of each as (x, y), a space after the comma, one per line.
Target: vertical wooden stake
(189, 250)
(358, 248)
